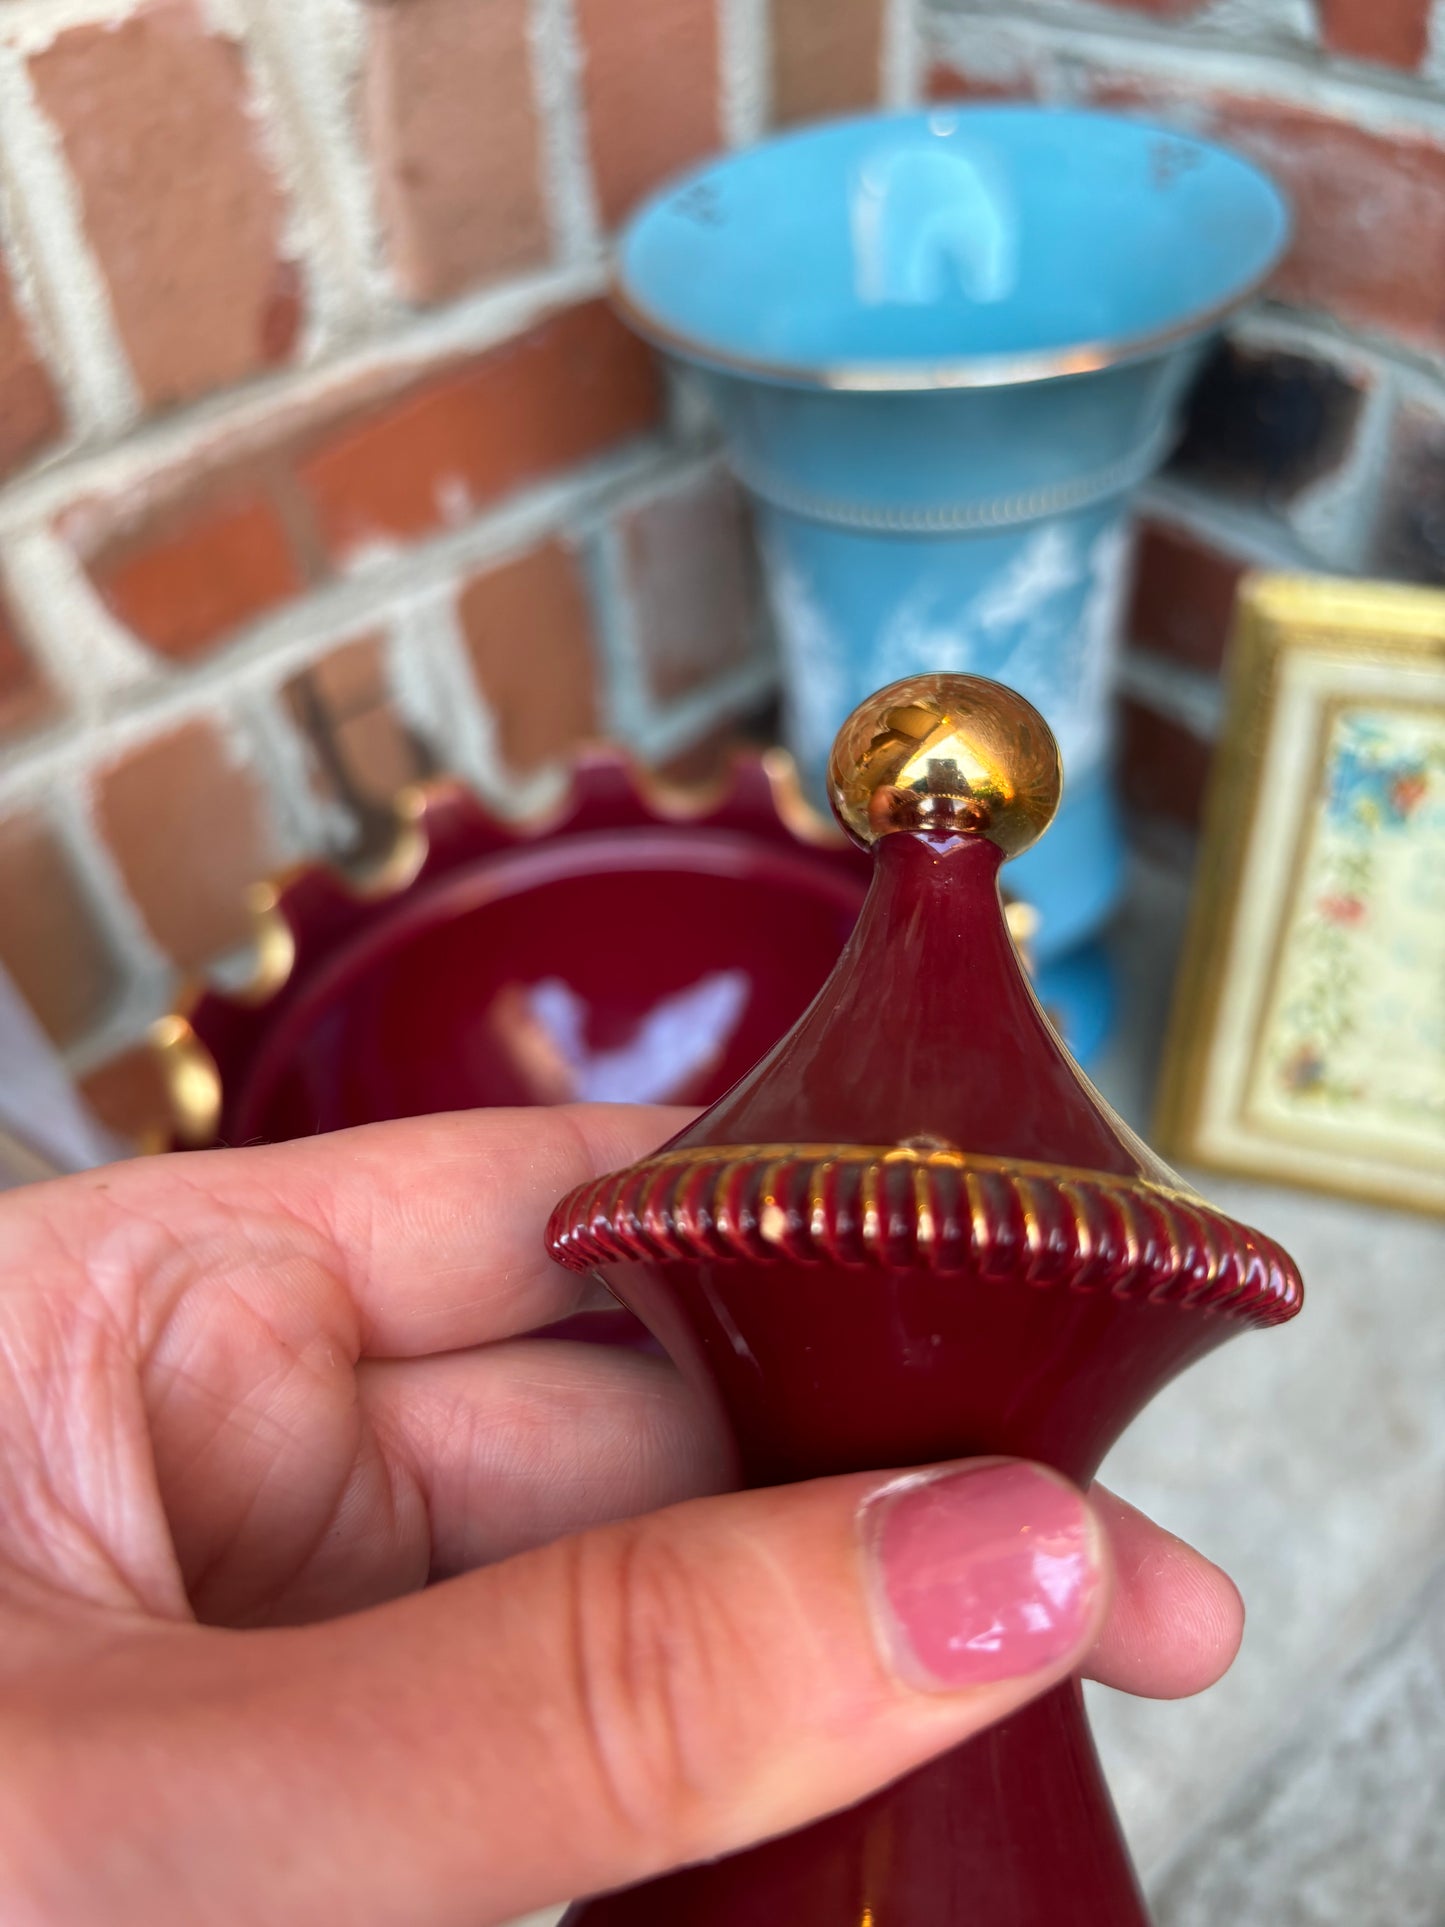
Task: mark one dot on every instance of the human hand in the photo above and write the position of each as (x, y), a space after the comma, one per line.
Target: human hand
(252, 1402)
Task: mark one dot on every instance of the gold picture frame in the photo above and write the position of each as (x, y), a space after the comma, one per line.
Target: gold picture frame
(1307, 1038)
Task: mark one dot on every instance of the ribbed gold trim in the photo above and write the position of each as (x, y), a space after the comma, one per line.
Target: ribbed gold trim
(901, 1207)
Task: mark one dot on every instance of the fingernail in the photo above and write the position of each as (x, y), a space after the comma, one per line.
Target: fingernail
(980, 1574)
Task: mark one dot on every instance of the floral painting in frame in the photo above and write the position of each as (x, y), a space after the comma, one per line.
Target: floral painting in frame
(1307, 1042)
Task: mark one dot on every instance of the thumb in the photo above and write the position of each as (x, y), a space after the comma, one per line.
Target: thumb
(632, 1699)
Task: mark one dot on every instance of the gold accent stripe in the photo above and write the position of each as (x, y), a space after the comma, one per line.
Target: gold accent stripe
(934, 1157)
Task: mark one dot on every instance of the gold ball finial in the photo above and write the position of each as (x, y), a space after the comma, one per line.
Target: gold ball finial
(949, 756)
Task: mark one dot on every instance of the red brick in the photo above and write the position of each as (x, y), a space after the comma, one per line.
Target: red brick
(187, 580)
(528, 631)
(703, 765)
(947, 81)
(1369, 209)
(187, 827)
(29, 412)
(25, 696)
(571, 387)
(50, 943)
(1370, 215)
(1184, 592)
(361, 751)
(128, 1095)
(453, 129)
(379, 756)
(827, 56)
(351, 678)
(180, 204)
(651, 85)
(1164, 767)
(1396, 33)
(691, 571)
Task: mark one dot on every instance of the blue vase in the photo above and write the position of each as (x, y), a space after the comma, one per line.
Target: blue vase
(944, 349)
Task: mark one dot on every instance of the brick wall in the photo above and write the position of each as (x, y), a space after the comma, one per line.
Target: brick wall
(1316, 436)
(323, 463)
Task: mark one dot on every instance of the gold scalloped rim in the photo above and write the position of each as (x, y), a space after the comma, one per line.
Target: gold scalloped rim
(189, 1071)
(900, 1207)
(191, 1077)
(402, 863)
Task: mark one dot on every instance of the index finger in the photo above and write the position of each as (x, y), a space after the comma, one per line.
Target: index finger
(433, 1224)
(442, 1217)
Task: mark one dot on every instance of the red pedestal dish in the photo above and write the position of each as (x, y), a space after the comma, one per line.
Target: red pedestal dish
(914, 1232)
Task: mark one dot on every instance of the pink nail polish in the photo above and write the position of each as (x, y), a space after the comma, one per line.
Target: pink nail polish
(981, 1574)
